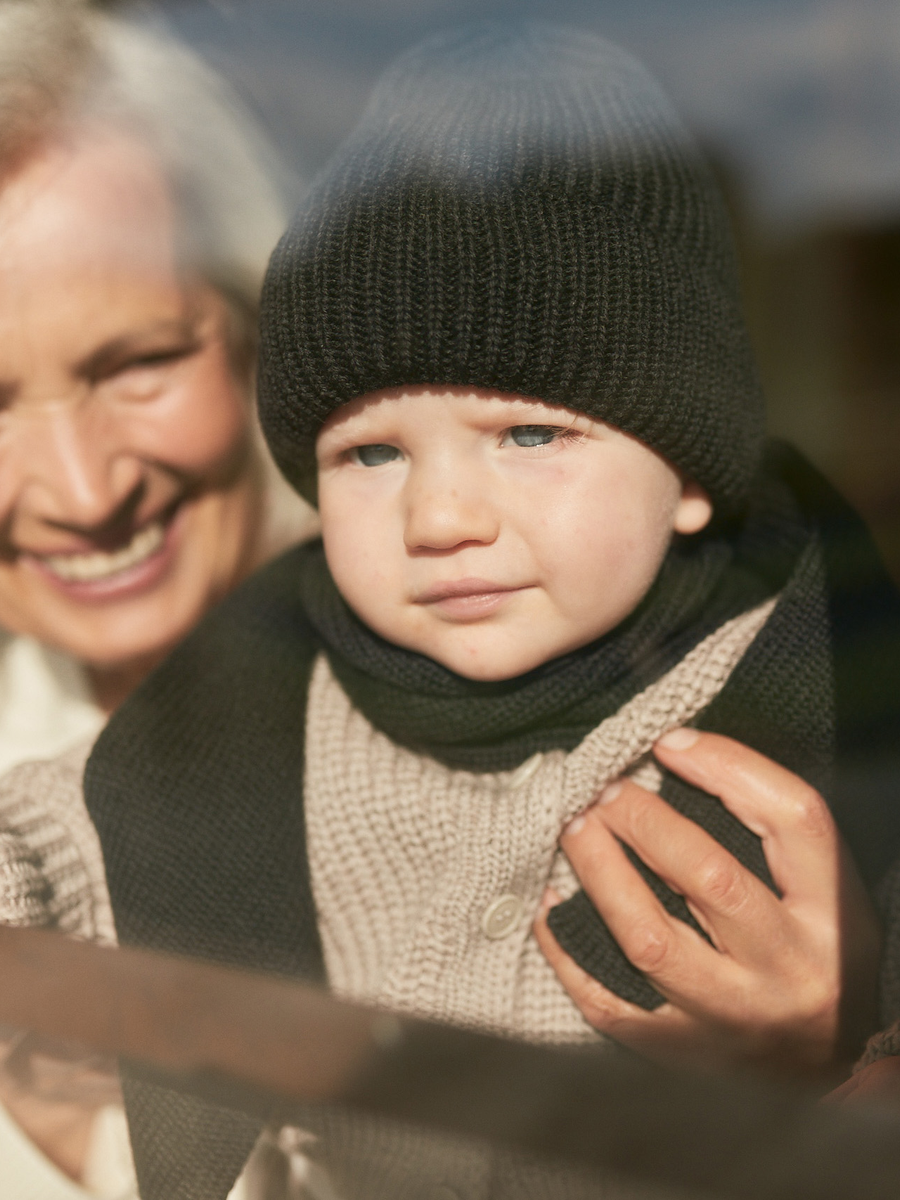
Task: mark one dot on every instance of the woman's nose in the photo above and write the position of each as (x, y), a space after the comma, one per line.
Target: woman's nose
(71, 472)
(446, 508)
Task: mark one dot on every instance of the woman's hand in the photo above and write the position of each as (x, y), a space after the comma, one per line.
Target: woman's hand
(54, 1092)
(788, 982)
(878, 1082)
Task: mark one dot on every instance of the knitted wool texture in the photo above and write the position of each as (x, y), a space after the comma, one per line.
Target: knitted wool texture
(521, 211)
(195, 786)
(407, 856)
(481, 726)
(51, 865)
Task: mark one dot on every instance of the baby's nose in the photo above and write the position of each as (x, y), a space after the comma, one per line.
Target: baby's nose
(443, 513)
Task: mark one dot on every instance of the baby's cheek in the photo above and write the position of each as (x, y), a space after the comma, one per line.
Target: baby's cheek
(359, 563)
(648, 538)
(616, 565)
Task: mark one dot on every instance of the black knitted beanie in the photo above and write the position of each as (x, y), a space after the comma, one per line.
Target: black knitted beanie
(518, 209)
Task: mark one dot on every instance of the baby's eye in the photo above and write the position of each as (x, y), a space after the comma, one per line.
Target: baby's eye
(532, 435)
(375, 455)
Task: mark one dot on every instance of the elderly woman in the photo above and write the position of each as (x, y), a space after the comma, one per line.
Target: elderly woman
(135, 221)
(136, 216)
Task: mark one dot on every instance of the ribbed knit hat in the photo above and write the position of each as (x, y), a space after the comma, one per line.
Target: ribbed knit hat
(518, 209)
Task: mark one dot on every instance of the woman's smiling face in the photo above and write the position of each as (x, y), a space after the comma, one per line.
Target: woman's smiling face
(128, 498)
(490, 532)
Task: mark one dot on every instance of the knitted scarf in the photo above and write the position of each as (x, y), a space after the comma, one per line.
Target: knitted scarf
(479, 726)
(195, 785)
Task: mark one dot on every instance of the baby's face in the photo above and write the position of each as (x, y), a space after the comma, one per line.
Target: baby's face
(490, 532)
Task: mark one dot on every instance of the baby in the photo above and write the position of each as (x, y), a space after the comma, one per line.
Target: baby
(502, 348)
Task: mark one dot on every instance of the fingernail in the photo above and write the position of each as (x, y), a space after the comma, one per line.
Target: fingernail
(574, 826)
(610, 792)
(679, 739)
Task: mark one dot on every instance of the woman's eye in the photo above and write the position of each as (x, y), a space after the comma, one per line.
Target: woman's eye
(159, 358)
(533, 435)
(375, 455)
(127, 368)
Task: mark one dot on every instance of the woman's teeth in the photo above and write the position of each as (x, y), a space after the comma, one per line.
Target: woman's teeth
(88, 568)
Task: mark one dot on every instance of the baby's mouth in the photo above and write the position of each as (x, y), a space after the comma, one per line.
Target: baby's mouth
(100, 564)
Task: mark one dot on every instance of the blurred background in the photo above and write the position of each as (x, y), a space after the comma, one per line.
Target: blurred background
(798, 105)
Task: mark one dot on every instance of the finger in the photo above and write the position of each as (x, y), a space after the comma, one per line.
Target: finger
(680, 962)
(799, 836)
(601, 1008)
(843, 1092)
(675, 1032)
(730, 902)
(879, 1081)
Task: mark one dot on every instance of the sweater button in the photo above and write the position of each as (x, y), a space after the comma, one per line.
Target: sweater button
(525, 771)
(501, 916)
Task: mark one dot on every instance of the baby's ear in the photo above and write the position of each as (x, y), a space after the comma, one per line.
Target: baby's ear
(694, 509)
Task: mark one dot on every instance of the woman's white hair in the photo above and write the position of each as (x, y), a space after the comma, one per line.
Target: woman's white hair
(63, 64)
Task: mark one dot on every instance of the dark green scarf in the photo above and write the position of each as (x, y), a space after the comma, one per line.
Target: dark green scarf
(495, 726)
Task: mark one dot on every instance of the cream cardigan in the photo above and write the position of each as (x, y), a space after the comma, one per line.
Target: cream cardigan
(426, 879)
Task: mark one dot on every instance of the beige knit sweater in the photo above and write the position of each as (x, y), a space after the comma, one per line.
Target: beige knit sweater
(427, 880)
(51, 865)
